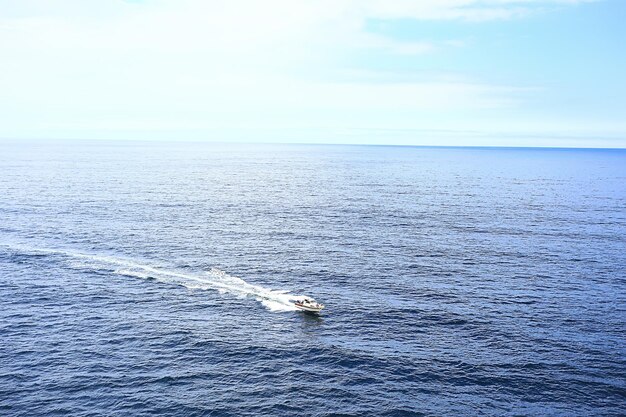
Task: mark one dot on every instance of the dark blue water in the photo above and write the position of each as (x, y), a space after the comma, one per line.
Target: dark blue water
(153, 279)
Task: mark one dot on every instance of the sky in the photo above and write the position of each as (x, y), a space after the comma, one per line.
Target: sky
(405, 72)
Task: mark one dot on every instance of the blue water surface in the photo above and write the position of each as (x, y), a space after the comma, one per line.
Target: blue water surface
(153, 279)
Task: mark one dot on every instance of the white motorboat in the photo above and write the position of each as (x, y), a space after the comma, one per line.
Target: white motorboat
(308, 304)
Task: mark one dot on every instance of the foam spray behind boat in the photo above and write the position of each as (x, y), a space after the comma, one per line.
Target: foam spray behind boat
(214, 279)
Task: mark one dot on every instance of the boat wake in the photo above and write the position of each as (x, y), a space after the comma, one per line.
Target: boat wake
(214, 279)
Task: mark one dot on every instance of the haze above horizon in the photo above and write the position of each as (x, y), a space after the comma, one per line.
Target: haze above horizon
(536, 73)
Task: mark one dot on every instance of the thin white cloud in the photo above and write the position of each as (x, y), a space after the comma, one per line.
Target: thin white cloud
(191, 64)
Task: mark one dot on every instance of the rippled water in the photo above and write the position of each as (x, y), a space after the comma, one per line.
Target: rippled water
(154, 279)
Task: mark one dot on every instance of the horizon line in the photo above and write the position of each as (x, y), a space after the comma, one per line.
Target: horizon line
(237, 142)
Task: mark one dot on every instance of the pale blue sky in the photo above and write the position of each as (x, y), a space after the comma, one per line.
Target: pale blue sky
(421, 72)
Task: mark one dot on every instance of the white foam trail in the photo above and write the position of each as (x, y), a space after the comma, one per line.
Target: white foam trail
(214, 279)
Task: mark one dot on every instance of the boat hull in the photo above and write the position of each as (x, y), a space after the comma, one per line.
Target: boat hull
(308, 309)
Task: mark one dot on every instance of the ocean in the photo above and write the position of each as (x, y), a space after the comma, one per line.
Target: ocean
(155, 279)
